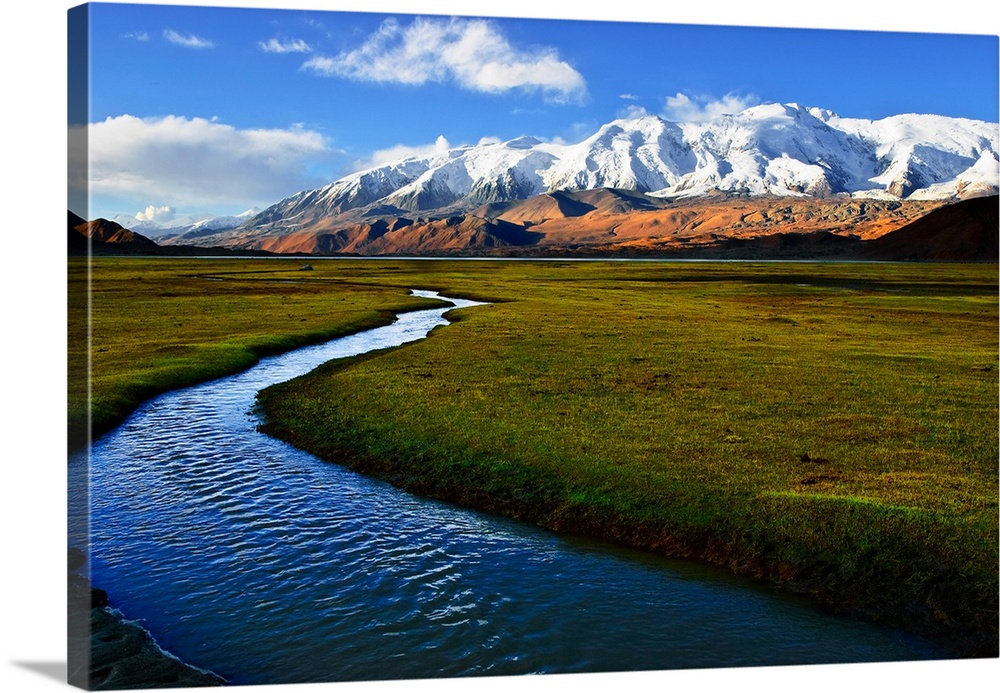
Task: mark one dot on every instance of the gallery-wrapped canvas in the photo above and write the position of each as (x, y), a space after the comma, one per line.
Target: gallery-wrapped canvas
(415, 346)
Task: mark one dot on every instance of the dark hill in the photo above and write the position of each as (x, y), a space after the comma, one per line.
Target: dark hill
(103, 237)
(113, 232)
(76, 241)
(965, 231)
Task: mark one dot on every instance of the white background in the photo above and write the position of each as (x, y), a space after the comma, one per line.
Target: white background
(32, 399)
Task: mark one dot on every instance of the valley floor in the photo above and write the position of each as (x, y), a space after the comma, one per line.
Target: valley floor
(831, 427)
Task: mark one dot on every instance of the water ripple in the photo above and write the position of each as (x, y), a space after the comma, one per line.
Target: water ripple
(255, 560)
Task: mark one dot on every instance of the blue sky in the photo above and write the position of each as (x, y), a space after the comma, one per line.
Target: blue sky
(212, 110)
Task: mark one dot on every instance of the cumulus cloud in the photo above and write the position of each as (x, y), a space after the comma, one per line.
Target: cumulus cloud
(156, 214)
(197, 161)
(402, 151)
(189, 41)
(472, 53)
(278, 46)
(685, 108)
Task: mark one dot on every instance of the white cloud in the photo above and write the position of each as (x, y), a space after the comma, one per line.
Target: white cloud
(632, 111)
(470, 52)
(628, 97)
(684, 108)
(518, 111)
(189, 41)
(197, 162)
(277, 46)
(402, 151)
(137, 36)
(156, 214)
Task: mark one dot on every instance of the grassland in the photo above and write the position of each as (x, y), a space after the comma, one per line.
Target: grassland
(158, 324)
(832, 427)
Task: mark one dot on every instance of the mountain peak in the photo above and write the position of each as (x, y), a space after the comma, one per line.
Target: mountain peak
(769, 149)
(644, 122)
(523, 142)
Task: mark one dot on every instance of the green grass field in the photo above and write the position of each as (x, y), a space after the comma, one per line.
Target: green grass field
(833, 427)
(158, 324)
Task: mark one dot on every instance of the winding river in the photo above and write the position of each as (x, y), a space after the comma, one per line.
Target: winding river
(257, 561)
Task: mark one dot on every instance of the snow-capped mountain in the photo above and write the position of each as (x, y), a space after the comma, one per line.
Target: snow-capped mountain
(190, 227)
(772, 149)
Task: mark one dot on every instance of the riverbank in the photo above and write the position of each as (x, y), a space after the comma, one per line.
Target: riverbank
(832, 428)
(829, 429)
(159, 324)
(114, 653)
(853, 590)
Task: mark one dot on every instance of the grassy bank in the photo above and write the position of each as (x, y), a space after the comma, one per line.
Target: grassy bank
(159, 324)
(830, 427)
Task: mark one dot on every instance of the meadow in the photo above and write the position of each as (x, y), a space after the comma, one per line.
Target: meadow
(158, 324)
(830, 427)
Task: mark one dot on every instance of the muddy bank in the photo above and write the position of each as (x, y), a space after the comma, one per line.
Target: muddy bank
(120, 654)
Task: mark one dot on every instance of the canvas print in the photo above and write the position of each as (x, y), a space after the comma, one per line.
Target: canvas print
(411, 347)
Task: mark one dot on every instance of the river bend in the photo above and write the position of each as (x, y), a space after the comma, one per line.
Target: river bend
(257, 561)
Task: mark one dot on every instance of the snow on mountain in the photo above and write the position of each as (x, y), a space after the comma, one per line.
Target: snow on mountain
(187, 226)
(929, 157)
(777, 149)
(645, 154)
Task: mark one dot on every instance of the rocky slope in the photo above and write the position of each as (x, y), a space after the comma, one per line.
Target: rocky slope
(610, 220)
(966, 231)
(612, 223)
(104, 237)
(775, 149)
(795, 164)
(101, 232)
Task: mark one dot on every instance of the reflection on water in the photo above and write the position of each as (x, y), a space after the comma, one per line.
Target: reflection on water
(257, 561)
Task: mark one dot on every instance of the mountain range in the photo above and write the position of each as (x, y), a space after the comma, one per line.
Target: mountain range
(640, 183)
(107, 237)
(191, 227)
(963, 231)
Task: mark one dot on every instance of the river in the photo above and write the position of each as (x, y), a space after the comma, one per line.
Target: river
(265, 565)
